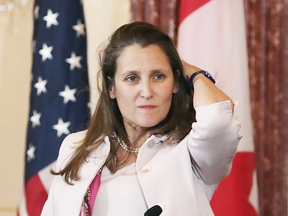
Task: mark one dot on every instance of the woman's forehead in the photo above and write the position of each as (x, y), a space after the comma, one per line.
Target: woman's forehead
(136, 56)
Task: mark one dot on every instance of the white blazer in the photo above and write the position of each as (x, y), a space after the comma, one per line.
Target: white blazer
(182, 177)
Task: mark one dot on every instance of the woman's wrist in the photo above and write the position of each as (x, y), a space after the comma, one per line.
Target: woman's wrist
(199, 75)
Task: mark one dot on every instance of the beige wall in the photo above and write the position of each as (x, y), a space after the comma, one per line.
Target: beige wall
(15, 64)
(102, 17)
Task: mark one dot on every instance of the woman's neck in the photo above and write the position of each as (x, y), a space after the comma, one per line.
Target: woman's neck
(135, 135)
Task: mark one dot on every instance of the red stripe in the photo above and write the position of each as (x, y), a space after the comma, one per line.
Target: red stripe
(189, 6)
(36, 196)
(232, 195)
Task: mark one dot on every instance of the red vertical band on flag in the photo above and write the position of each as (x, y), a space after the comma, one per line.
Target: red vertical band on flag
(236, 188)
(187, 7)
(36, 196)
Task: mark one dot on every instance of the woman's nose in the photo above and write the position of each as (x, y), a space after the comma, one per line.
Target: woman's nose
(146, 90)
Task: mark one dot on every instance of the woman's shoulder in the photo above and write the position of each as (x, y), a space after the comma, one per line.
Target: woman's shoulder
(73, 140)
(70, 144)
(75, 137)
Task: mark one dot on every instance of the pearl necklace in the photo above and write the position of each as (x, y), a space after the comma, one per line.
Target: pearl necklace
(127, 148)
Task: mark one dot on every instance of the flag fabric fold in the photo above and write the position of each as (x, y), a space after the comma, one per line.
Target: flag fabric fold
(212, 36)
(59, 94)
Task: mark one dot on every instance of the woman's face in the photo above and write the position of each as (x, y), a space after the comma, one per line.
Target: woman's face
(143, 86)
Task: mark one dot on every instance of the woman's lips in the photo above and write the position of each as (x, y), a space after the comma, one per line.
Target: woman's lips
(147, 106)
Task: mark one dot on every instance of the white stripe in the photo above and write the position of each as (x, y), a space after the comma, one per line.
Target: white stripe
(22, 204)
(215, 36)
(253, 198)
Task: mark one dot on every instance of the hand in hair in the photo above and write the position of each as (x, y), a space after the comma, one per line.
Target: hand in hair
(205, 92)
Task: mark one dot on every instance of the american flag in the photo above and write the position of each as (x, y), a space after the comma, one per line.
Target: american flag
(59, 96)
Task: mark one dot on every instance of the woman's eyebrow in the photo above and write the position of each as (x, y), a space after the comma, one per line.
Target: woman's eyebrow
(158, 70)
(130, 72)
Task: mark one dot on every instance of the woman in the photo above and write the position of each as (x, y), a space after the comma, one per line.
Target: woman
(140, 149)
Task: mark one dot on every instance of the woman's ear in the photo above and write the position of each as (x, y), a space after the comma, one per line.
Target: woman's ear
(112, 92)
(176, 88)
(176, 84)
(111, 88)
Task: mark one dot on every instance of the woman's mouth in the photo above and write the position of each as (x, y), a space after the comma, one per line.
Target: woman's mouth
(147, 107)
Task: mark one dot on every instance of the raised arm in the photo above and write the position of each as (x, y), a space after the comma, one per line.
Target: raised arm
(216, 133)
(205, 92)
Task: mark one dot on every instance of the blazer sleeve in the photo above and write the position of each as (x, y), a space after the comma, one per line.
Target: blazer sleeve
(213, 141)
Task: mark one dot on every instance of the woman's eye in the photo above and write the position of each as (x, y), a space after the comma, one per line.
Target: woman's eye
(131, 78)
(159, 76)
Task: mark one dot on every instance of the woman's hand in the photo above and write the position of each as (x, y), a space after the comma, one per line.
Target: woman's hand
(205, 91)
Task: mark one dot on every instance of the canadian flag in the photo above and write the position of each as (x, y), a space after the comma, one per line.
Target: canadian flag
(212, 36)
